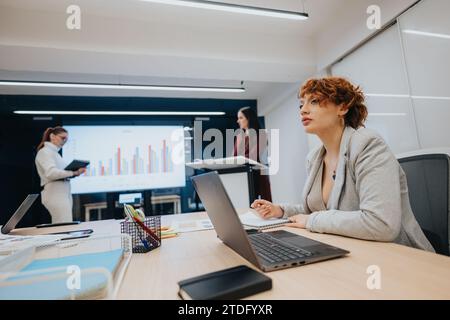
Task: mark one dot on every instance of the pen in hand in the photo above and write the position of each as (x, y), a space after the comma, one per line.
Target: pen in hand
(260, 204)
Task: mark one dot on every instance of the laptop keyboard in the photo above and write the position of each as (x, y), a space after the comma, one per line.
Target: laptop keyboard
(274, 250)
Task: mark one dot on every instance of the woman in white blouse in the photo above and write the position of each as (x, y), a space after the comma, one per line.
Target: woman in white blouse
(56, 195)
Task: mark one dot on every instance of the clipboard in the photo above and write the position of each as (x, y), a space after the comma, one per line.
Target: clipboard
(77, 164)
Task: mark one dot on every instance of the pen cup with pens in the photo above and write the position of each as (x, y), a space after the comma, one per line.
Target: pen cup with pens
(145, 231)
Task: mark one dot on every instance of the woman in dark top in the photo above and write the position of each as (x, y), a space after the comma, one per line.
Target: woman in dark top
(252, 143)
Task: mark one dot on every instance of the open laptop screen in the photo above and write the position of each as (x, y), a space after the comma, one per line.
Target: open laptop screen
(223, 215)
(20, 212)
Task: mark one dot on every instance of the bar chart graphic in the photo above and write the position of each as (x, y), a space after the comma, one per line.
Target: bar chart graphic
(138, 163)
(126, 157)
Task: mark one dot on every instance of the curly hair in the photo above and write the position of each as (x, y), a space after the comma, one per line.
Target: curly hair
(339, 91)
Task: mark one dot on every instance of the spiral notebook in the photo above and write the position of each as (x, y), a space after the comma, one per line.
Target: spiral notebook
(251, 220)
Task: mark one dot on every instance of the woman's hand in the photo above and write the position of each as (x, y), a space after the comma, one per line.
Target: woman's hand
(267, 209)
(79, 172)
(298, 221)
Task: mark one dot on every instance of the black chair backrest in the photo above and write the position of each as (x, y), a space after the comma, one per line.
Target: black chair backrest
(428, 185)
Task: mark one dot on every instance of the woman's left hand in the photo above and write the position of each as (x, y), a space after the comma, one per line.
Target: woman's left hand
(298, 221)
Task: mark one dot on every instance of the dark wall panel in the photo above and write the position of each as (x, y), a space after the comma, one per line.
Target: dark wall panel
(20, 134)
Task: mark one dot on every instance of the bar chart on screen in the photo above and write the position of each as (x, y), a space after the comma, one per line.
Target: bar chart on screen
(127, 157)
(146, 161)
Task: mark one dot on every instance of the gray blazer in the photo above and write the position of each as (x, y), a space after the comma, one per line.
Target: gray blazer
(369, 199)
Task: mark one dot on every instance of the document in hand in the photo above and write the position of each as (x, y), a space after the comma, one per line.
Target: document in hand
(77, 164)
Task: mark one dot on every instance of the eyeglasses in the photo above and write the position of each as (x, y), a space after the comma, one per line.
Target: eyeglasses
(63, 138)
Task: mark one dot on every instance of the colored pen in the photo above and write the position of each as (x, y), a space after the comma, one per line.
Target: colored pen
(146, 229)
(171, 235)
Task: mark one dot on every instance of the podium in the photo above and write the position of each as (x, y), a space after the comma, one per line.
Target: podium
(236, 174)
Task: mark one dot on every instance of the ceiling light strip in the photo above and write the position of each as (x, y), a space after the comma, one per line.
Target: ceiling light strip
(120, 86)
(427, 34)
(235, 8)
(381, 95)
(123, 113)
(387, 114)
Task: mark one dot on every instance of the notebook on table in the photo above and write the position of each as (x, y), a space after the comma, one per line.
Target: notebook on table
(252, 220)
(232, 283)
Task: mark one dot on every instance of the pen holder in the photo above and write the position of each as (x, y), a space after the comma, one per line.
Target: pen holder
(138, 234)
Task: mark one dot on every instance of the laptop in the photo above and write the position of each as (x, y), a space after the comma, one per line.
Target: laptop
(269, 251)
(20, 212)
(26, 205)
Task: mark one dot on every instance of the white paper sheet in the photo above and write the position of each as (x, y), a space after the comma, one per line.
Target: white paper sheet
(192, 225)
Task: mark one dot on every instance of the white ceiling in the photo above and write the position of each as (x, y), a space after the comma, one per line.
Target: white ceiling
(131, 10)
(132, 41)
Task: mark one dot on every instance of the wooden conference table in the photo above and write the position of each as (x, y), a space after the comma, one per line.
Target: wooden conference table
(406, 273)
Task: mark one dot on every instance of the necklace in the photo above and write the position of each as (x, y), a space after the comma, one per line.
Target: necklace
(334, 172)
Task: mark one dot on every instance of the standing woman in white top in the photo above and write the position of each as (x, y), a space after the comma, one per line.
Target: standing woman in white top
(56, 195)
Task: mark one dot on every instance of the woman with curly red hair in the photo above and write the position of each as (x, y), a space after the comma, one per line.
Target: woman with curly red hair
(355, 185)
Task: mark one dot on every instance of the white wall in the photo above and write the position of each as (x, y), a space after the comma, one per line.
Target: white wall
(392, 63)
(406, 78)
(287, 184)
(378, 69)
(348, 28)
(275, 96)
(428, 65)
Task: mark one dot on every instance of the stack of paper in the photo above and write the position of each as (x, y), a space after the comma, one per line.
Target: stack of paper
(10, 244)
(250, 219)
(192, 225)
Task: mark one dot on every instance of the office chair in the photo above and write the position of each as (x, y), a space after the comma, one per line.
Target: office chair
(427, 172)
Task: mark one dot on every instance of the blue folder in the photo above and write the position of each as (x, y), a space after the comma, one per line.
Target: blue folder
(90, 283)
